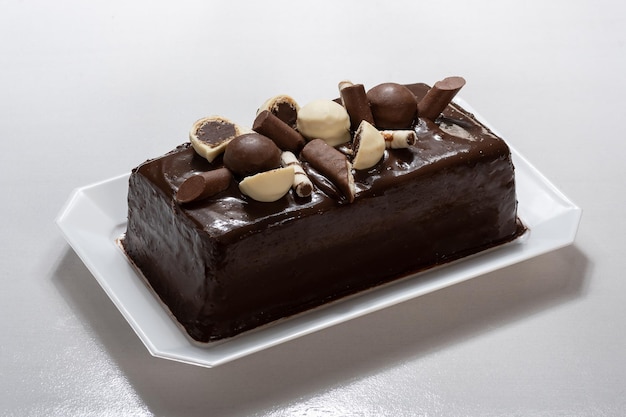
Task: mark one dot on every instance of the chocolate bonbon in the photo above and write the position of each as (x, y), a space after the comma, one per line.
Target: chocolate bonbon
(282, 106)
(268, 186)
(393, 106)
(210, 135)
(251, 153)
(369, 146)
(324, 119)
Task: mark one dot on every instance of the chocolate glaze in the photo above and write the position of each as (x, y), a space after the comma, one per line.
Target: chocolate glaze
(228, 264)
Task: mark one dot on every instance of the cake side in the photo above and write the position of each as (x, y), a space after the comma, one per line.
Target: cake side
(322, 258)
(169, 251)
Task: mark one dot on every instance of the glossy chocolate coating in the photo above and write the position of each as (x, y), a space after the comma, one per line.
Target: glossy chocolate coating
(228, 264)
(393, 106)
(251, 153)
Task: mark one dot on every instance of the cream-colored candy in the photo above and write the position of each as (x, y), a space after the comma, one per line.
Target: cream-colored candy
(272, 103)
(397, 139)
(210, 135)
(268, 186)
(326, 120)
(302, 184)
(369, 145)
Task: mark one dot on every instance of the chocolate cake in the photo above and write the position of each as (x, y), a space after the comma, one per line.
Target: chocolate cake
(233, 232)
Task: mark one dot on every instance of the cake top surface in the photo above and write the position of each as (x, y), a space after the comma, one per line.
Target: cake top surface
(453, 137)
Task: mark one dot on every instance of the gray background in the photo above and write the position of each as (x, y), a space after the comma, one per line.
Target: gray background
(90, 89)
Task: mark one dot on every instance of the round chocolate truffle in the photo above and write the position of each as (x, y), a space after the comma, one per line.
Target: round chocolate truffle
(250, 154)
(393, 106)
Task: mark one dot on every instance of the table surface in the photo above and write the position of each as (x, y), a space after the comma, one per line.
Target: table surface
(90, 89)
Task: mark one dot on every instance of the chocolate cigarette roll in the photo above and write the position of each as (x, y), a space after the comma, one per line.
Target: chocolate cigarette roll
(332, 164)
(203, 185)
(287, 138)
(302, 184)
(438, 97)
(355, 101)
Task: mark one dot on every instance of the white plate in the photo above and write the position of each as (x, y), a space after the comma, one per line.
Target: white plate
(95, 216)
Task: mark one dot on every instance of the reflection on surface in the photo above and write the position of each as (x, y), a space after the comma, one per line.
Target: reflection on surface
(350, 361)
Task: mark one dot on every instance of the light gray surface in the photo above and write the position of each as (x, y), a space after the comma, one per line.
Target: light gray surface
(90, 89)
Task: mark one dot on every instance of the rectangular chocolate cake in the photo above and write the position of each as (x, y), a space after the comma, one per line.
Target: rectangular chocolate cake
(230, 256)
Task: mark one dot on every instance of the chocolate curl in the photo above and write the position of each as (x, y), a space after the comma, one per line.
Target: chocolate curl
(203, 185)
(438, 97)
(332, 164)
(287, 139)
(357, 105)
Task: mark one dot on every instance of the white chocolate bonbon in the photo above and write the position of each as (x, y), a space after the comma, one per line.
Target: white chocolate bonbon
(369, 146)
(326, 120)
(268, 186)
(209, 144)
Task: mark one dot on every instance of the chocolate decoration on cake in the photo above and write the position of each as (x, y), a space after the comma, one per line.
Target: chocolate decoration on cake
(302, 184)
(439, 96)
(227, 264)
(393, 106)
(332, 164)
(268, 186)
(369, 146)
(210, 135)
(285, 137)
(282, 106)
(326, 120)
(355, 101)
(399, 139)
(203, 185)
(214, 132)
(250, 154)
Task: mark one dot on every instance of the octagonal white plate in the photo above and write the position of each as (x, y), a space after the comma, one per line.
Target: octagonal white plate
(95, 216)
